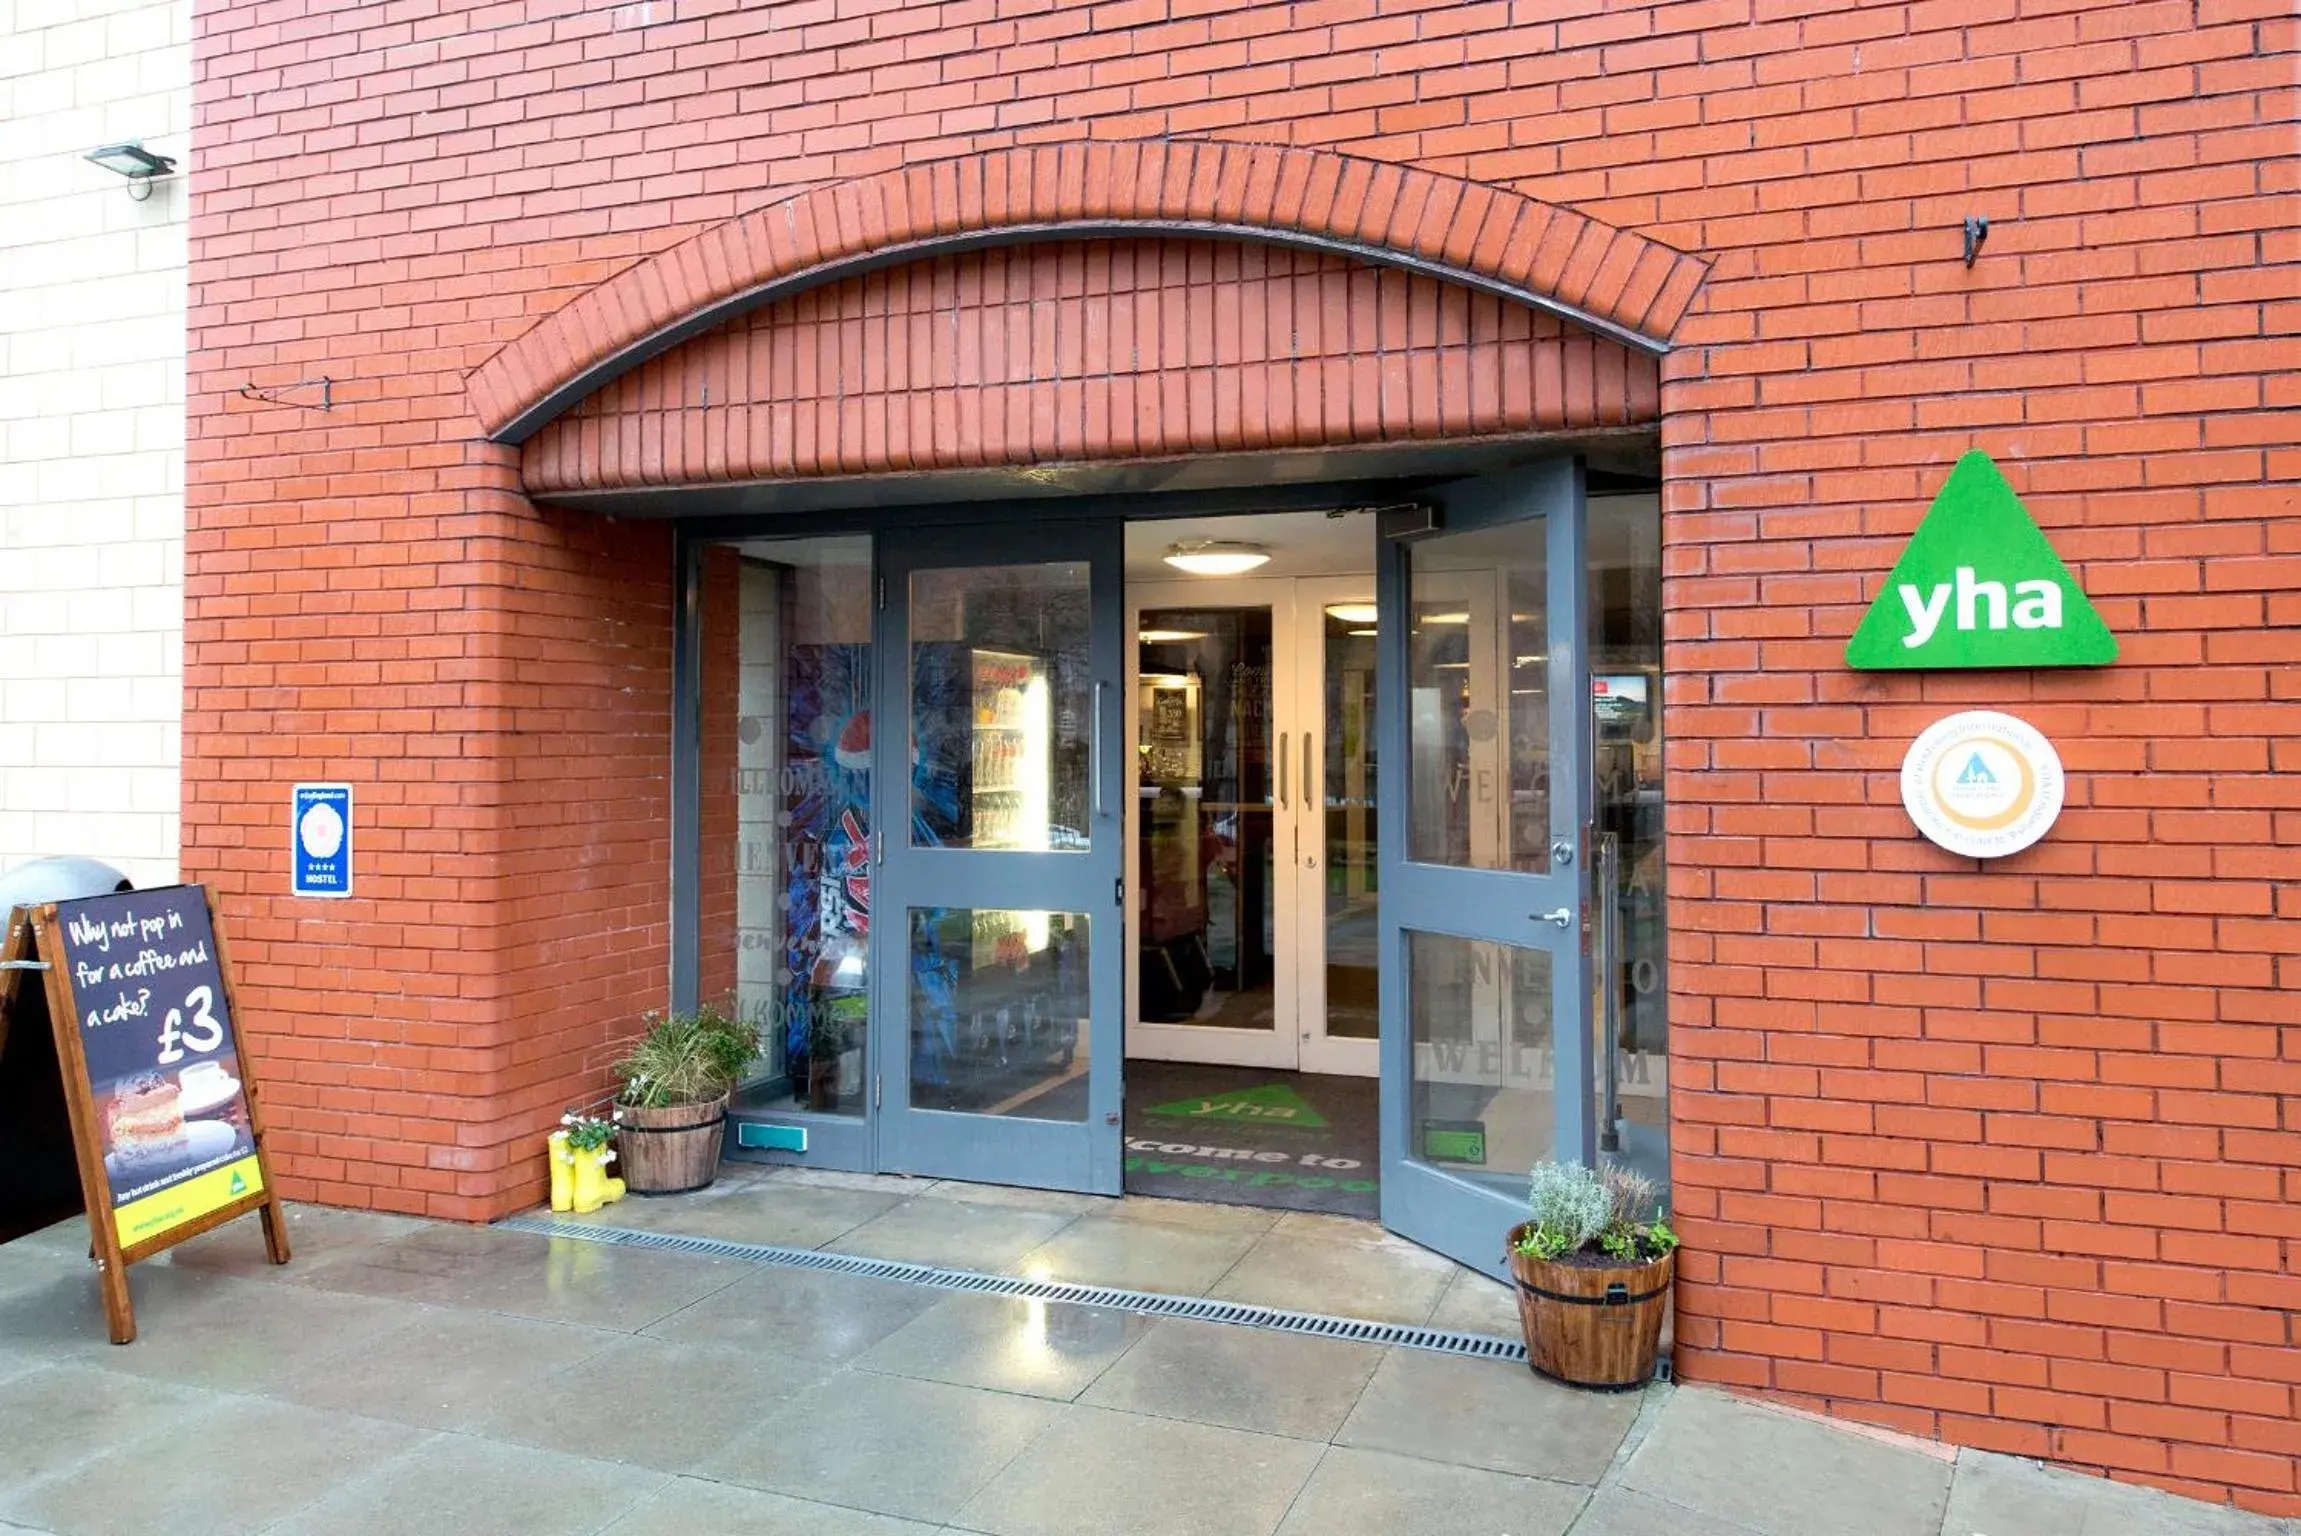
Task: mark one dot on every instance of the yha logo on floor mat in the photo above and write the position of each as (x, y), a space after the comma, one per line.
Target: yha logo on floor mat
(1273, 1104)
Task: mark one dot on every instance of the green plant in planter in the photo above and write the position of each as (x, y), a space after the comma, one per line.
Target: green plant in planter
(686, 1057)
(587, 1133)
(1573, 1209)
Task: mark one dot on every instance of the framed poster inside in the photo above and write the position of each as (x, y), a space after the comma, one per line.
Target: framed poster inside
(165, 1124)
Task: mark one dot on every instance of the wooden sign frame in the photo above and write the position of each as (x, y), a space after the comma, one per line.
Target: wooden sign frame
(34, 944)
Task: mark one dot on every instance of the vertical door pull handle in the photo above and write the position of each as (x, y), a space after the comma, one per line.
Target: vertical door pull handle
(1095, 747)
(1309, 795)
(1282, 740)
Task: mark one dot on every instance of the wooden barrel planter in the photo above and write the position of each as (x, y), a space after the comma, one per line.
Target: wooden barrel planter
(670, 1151)
(1591, 1325)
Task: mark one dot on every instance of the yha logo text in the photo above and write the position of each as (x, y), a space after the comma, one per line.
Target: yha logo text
(1980, 605)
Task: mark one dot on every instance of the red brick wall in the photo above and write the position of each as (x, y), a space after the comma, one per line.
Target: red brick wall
(2009, 1154)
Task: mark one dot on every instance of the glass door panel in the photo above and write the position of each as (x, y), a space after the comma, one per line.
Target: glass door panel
(1482, 1107)
(1486, 1058)
(784, 674)
(1215, 784)
(1001, 706)
(1626, 694)
(1341, 879)
(1011, 858)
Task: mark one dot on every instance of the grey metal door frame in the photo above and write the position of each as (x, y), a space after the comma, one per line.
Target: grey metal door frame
(1456, 1215)
(1053, 1154)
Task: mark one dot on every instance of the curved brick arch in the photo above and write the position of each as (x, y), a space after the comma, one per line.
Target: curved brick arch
(1611, 281)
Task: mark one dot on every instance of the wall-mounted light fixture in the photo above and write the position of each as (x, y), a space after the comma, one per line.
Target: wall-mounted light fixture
(132, 160)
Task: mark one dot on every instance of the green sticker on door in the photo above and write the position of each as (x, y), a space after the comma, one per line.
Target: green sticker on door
(1274, 1104)
(1979, 586)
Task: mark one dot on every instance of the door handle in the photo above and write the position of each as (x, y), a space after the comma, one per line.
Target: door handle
(1282, 741)
(1562, 917)
(1095, 747)
(1309, 797)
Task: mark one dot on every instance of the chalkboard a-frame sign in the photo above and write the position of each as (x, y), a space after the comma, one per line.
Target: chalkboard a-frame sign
(165, 1126)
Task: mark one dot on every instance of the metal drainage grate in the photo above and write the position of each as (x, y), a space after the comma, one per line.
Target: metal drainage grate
(1482, 1346)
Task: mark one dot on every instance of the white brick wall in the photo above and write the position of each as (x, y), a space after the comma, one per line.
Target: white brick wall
(91, 433)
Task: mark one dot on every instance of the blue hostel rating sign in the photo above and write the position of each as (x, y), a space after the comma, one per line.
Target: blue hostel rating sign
(320, 840)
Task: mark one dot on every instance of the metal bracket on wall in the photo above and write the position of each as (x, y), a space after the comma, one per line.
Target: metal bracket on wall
(277, 393)
(1976, 231)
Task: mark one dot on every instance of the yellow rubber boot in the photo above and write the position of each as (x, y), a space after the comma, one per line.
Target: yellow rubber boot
(590, 1182)
(614, 1185)
(562, 1173)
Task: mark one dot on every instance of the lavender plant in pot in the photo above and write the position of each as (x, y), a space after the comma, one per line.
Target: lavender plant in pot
(1593, 1266)
(674, 1082)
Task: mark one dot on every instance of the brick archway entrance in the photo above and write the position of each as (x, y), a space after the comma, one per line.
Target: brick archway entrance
(1607, 282)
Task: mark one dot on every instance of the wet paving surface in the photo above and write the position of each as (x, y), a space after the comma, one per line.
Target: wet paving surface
(404, 1375)
(1296, 1260)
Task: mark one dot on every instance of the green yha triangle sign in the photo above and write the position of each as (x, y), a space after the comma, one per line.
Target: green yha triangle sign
(1978, 586)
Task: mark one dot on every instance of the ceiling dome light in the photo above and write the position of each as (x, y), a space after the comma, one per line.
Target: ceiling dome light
(1216, 557)
(1352, 613)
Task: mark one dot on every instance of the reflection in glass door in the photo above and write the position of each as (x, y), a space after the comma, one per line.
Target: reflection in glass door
(1337, 649)
(1254, 824)
(1487, 1064)
(997, 1070)
(1213, 829)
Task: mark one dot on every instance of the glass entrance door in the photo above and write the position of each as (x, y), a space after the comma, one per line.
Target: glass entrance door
(1253, 824)
(1213, 823)
(1337, 642)
(1000, 913)
(1485, 989)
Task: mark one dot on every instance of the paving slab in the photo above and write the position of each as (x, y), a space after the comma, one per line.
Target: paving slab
(954, 1234)
(917, 1449)
(1172, 1258)
(807, 1313)
(1619, 1512)
(1010, 1343)
(25, 1268)
(647, 1402)
(775, 1214)
(244, 1335)
(1486, 1413)
(436, 1264)
(601, 1286)
(62, 1317)
(451, 1484)
(1993, 1495)
(229, 1465)
(60, 1415)
(692, 1507)
(1783, 1474)
(1321, 1270)
(318, 1235)
(1380, 1494)
(1241, 1378)
(442, 1366)
(1097, 1472)
(1054, 1202)
(1204, 1215)
(1475, 1304)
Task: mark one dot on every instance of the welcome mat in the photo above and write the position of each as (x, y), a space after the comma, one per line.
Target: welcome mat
(1293, 1141)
